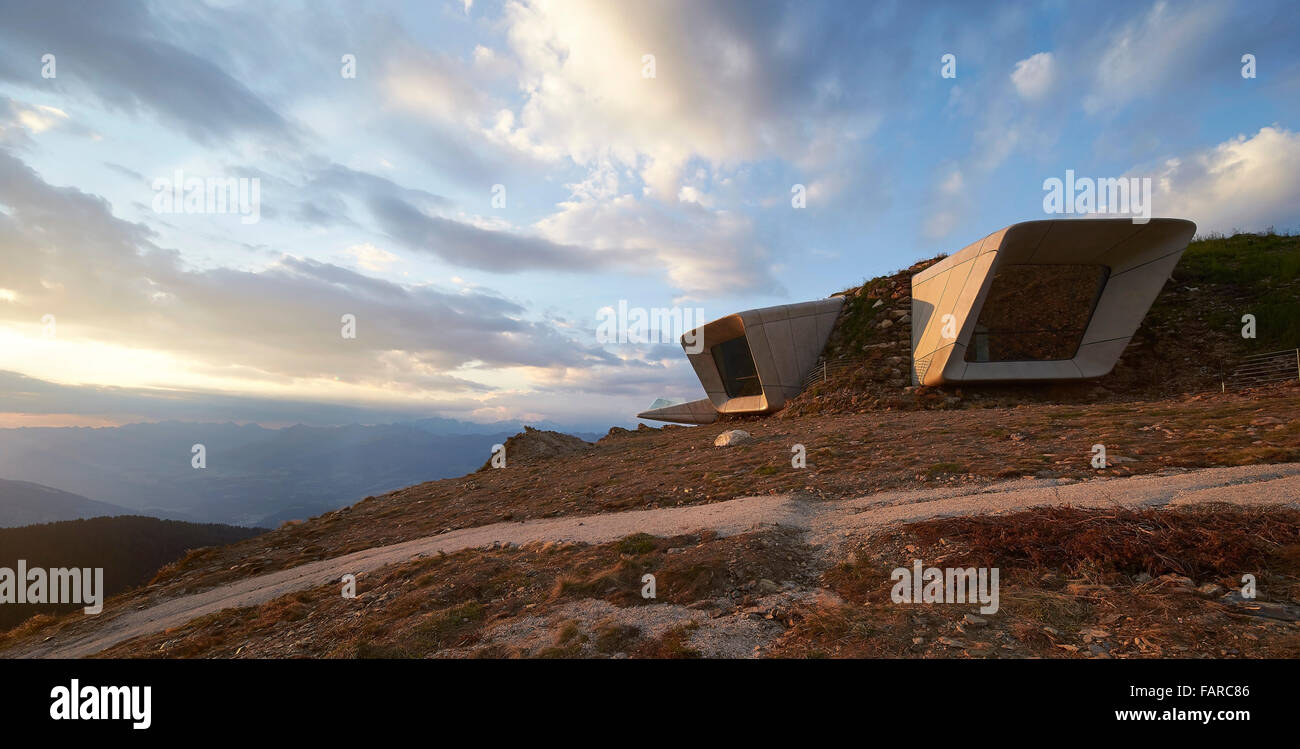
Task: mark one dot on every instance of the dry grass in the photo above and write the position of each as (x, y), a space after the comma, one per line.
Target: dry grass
(1205, 543)
(1073, 583)
(446, 603)
(671, 645)
(848, 455)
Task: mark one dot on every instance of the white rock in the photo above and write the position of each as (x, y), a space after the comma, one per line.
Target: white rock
(732, 437)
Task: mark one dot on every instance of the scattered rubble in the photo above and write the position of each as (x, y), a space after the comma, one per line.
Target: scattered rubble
(536, 444)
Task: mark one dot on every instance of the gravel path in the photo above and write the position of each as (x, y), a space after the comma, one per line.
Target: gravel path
(826, 522)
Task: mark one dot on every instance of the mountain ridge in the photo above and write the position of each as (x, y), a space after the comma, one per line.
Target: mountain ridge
(30, 503)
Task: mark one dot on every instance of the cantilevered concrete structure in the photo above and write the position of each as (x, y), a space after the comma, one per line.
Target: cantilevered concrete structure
(753, 361)
(1041, 300)
(1036, 301)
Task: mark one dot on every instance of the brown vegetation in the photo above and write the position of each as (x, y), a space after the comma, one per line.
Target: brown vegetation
(1110, 583)
(847, 455)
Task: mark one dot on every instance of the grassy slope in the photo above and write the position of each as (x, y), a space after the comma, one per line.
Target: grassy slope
(1260, 274)
(1255, 273)
(847, 455)
(1112, 583)
(1190, 340)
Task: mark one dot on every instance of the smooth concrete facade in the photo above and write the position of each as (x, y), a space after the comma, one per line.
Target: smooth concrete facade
(784, 343)
(1139, 258)
(692, 412)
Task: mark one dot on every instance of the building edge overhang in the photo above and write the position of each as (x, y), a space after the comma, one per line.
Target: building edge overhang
(693, 412)
(786, 340)
(1139, 257)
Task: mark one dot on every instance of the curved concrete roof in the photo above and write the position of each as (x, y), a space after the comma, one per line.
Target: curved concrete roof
(1132, 262)
(1139, 258)
(784, 342)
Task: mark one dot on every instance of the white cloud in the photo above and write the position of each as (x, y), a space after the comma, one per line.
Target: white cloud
(41, 118)
(493, 64)
(1246, 183)
(702, 252)
(1146, 51)
(718, 93)
(692, 194)
(828, 187)
(948, 205)
(371, 257)
(19, 120)
(953, 184)
(1034, 76)
(434, 87)
(118, 296)
(940, 223)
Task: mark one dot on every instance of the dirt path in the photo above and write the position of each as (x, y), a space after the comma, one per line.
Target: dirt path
(826, 523)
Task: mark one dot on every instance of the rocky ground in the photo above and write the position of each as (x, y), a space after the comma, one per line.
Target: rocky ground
(536, 444)
(1075, 583)
(949, 452)
(847, 455)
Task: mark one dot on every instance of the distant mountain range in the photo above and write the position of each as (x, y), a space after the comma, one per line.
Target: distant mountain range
(254, 476)
(25, 503)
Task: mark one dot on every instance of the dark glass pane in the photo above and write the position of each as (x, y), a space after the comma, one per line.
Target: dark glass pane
(1036, 312)
(736, 365)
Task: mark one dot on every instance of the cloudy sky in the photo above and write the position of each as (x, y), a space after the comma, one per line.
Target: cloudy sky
(474, 181)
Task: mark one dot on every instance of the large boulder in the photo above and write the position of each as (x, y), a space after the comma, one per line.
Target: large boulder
(732, 437)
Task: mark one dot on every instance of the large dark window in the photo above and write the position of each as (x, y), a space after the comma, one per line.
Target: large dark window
(1036, 312)
(736, 365)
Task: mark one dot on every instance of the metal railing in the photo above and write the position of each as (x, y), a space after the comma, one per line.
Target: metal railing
(1262, 369)
(828, 367)
(920, 367)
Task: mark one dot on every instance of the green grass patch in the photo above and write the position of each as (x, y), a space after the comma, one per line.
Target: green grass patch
(444, 628)
(939, 469)
(1265, 271)
(637, 543)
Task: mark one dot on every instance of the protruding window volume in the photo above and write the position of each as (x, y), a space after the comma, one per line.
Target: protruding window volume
(1037, 301)
(1041, 300)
